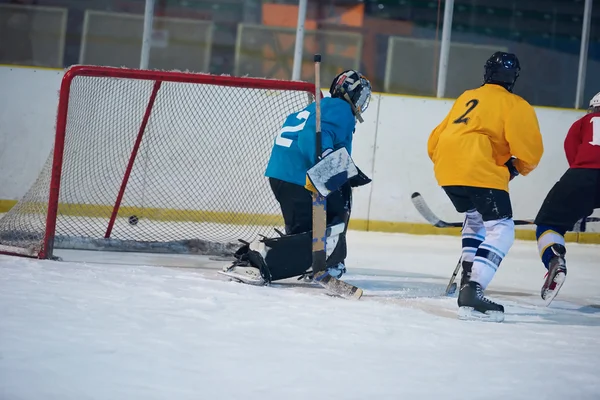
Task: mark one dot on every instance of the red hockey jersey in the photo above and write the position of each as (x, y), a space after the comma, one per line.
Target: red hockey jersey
(582, 144)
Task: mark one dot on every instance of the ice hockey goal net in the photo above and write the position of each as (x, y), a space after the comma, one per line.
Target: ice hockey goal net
(155, 161)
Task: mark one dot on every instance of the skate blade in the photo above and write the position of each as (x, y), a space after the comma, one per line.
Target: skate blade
(469, 314)
(549, 295)
(242, 279)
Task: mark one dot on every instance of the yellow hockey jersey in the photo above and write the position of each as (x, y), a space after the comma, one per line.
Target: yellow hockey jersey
(484, 128)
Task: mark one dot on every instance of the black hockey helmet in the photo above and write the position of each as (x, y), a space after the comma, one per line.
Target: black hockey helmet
(502, 69)
(353, 87)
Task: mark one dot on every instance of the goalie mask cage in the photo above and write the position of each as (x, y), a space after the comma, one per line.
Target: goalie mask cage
(155, 161)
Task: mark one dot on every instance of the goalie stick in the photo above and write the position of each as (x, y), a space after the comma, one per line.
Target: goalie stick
(319, 215)
(423, 209)
(319, 203)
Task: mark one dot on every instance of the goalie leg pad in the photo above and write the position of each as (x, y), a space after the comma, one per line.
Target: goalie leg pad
(291, 255)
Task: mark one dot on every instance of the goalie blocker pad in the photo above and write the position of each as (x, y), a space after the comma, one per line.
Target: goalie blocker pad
(333, 171)
(291, 255)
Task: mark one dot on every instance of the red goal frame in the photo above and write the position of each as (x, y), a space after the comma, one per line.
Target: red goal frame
(149, 75)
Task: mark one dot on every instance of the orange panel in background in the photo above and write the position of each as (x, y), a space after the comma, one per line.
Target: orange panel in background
(352, 16)
(286, 15)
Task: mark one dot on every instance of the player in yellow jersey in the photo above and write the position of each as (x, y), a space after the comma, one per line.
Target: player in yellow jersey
(489, 136)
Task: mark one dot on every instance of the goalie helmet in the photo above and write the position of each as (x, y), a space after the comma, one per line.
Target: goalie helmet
(595, 103)
(353, 87)
(502, 69)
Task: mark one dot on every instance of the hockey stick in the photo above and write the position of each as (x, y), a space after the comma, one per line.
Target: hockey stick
(426, 212)
(451, 288)
(319, 215)
(423, 209)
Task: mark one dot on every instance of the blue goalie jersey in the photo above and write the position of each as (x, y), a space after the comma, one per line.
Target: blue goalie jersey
(293, 152)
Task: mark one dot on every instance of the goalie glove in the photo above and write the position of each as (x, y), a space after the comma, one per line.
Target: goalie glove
(336, 181)
(359, 180)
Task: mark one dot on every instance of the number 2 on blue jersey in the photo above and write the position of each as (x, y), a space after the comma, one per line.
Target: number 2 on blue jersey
(286, 142)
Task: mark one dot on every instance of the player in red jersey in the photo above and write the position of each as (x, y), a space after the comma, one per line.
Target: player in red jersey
(573, 197)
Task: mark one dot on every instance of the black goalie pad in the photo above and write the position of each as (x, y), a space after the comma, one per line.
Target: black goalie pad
(291, 255)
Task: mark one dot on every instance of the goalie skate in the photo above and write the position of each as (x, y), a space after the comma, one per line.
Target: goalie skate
(244, 273)
(556, 275)
(242, 270)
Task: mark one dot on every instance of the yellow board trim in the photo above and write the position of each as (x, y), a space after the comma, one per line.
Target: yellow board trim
(6, 205)
(163, 214)
(13, 66)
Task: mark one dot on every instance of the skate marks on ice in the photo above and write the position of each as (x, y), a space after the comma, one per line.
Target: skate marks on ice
(406, 289)
(426, 293)
(412, 290)
(399, 291)
(532, 310)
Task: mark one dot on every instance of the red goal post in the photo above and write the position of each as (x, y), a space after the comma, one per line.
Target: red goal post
(155, 161)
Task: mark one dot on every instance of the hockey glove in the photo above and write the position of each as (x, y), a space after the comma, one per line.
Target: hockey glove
(359, 180)
(336, 181)
(511, 168)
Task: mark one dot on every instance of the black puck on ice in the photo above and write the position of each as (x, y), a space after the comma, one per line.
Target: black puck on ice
(133, 220)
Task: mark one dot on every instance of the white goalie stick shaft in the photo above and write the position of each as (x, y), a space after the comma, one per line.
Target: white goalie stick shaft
(319, 203)
(423, 209)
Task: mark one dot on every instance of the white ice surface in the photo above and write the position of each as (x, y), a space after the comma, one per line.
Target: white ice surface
(129, 326)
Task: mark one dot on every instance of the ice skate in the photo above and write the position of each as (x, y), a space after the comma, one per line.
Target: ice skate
(243, 272)
(473, 305)
(556, 275)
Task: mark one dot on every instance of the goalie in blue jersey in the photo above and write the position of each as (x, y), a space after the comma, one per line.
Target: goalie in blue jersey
(292, 155)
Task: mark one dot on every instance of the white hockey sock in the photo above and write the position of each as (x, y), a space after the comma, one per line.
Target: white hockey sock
(547, 239)
(473, 234)
(499, 237)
